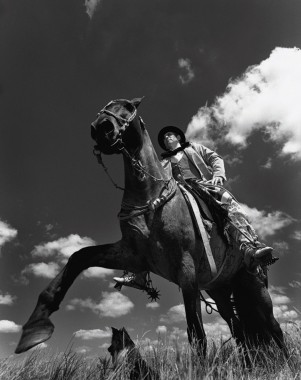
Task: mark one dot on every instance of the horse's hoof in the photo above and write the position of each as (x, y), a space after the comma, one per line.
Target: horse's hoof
(34, 334)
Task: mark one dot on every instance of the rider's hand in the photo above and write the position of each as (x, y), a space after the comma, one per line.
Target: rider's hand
(217, 181)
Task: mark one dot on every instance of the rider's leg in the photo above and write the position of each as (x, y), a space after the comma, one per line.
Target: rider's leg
(239, 231)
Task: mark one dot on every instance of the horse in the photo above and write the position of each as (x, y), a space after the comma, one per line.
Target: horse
(159, 236)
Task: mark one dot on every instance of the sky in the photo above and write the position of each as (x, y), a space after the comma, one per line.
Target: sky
(227, 73)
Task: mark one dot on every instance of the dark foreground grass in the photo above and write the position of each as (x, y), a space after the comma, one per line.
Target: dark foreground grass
(224, 361)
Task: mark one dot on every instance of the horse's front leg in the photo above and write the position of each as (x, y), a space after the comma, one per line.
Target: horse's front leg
(39, 328)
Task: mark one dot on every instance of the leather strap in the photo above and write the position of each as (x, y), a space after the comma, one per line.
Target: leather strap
(200, 227)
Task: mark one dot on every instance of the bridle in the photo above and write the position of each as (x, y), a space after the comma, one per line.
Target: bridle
(123, 122)
(120, 147)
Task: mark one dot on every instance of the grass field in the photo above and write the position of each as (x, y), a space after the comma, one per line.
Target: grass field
(170, 361)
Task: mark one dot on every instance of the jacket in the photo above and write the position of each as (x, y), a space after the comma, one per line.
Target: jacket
(207, 162)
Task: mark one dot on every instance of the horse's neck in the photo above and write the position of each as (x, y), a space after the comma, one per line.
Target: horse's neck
(140, 191)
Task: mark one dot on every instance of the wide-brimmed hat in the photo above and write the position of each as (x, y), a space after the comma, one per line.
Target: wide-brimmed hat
(175, 130)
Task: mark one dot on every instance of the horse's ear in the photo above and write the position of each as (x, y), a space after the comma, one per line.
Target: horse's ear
(136, 101)
(114, 330)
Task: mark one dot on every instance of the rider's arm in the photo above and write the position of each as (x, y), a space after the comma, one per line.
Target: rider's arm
(214, 161)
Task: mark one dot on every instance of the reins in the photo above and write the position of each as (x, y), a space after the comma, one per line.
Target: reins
(127, 210)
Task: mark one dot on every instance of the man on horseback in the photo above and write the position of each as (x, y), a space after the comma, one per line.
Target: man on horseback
(202, 170)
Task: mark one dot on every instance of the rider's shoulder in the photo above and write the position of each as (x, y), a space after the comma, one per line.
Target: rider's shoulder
(195, 145)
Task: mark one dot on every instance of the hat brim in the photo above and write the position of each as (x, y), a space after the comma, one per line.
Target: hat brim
(170, 128)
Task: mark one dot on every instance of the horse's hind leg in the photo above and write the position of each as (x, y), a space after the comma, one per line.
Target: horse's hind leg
(265, 307)
(39, 328)
(255, 308)
(195, 327)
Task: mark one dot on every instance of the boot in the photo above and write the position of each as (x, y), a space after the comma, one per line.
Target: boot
(133, 280)
(254, 256)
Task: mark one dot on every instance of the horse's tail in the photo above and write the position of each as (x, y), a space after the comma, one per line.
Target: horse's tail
(250, 308)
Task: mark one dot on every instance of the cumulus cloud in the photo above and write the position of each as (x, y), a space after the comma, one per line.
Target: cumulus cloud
(217, 329)
(152, 305)
(41, 346)
(281, 303)
(93, 334)
(177, 333)
(9, 327)
(96, 272)
(187, 72)
(6, 299)
(175, 314)
(283, 313)
(296, 235)
(82, 350)
(45, 270)
(63, 247)
(7, 233)
(295, 284)
(281, 247)
(266, 97)
(91, 6)
(267, 223)
(112, 305)
(161, 330)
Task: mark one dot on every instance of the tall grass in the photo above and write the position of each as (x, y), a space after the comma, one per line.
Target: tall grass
(170, 361)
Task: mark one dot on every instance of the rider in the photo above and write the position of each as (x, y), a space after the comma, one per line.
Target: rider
(201, 168)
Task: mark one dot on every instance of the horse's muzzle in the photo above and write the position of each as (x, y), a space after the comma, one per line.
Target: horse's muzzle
(105, 135)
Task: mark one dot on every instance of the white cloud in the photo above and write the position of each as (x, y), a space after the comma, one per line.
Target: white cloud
(295, 284)
(266, 97)
(281, 246)
(161, 330)
(267, 223)
(9, 327)
(82, 350)
(175, 314)
(282, 313)
(296, 235)
(177, 333)
(281, 301)
(46, 270)
(112, 305)
(217, 329)
(93, 334)
(6, 299)
(96, 272)
(152, 305)
(41, 346)
(91, 6)
(188, 74)
(64, 247)
(7, 233)
(104, 345)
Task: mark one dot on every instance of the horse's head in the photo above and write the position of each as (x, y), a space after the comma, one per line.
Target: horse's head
(111, 129)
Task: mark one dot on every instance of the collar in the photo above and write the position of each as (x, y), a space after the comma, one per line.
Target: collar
(170, 153)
